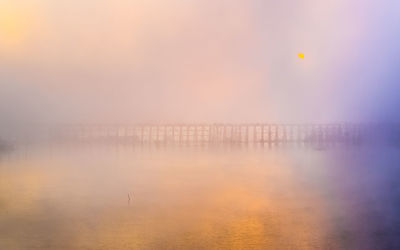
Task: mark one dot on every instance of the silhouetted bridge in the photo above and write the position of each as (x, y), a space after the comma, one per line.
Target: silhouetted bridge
(210, 134)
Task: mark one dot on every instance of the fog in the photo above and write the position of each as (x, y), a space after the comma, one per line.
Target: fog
(198, 61)
(67, 66)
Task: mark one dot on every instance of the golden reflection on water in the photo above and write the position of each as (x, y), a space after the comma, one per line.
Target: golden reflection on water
(237, 200)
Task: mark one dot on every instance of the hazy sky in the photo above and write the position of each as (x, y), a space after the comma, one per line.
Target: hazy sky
(199, 60)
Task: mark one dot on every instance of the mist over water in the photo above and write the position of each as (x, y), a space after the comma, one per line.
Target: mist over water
(78, 79)
(126, 198)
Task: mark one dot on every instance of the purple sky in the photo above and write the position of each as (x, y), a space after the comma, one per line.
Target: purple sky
(199, 60)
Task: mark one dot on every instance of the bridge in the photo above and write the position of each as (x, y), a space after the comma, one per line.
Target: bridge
(214, 134)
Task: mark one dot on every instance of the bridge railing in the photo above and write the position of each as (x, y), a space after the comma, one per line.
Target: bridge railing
(224, 133)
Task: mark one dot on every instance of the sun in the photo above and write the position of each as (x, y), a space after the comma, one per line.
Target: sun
(300, 55)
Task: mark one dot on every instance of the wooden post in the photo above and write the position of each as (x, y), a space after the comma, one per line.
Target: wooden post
(180, 135)
(247, 134)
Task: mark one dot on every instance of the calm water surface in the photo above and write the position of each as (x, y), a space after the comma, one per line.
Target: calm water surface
(124, 198)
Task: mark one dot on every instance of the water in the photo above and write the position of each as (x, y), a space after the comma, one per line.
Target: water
(124, 198)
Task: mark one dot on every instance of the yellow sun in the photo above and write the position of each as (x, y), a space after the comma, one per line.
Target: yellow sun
(300, 55)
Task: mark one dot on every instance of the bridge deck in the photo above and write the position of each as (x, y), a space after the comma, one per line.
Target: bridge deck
(214, 133)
